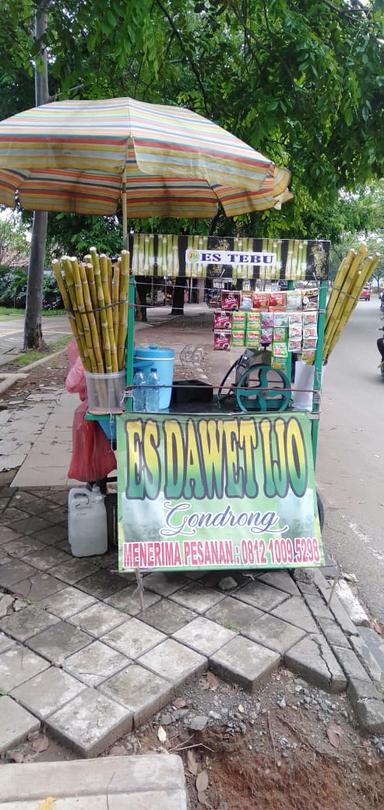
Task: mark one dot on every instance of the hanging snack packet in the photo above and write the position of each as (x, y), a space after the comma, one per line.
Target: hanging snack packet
(294, 345)
(237, 339)
(266, 320)
(295, 317)
(230, 300)
(280, 319)
(294, 300)
(266, 335)
(221, 341)
(239, 320)
(280, 334)
(254, 320)
(278, 300)
(310, 331)
(295, 330)
(222, 320)
(309, 343)
(253, 339)
(309, 318)
(246, 303)
(311, 299)
(260, 300)
(280, 349)
(279, 363)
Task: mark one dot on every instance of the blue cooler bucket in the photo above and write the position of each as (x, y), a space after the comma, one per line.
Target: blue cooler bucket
(147, 357)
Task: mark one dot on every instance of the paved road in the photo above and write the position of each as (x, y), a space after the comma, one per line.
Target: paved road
(350, 469)
(11, 334)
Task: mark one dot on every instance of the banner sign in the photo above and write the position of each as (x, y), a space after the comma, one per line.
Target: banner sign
(216, 492)
(245, 257)
(229, 257)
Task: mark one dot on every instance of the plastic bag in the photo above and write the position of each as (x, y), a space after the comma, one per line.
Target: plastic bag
(92, 456)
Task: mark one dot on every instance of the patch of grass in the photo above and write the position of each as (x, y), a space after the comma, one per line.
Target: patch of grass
(11, 312)
(32, 355)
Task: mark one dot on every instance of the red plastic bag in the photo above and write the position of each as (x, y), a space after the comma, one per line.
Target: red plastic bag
(92, 455)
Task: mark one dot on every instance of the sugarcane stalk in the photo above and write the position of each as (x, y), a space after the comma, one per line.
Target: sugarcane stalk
(84, 315)
(104, 275)
(56, 269)
(92, 289)
(110, 275)
(339, 280)
(115, 300)
(103, 312)
(337, 314)
(369, 265)
(123, 307)
(91, 318)
(68, 277)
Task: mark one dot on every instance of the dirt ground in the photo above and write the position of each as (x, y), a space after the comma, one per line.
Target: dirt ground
(49, 374)
(288, 746)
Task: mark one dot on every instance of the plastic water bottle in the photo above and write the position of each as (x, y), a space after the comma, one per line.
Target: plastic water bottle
(152, 392)
(139, 392)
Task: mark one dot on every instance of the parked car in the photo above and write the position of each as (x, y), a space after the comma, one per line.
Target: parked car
(365, 294)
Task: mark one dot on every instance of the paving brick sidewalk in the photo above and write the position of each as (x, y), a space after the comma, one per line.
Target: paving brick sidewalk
(79, 654)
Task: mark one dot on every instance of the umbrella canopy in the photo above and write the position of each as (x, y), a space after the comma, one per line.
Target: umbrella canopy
(83, 156)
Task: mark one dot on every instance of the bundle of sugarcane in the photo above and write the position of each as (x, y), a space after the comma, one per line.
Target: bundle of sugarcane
(95, 295)
(355, 270)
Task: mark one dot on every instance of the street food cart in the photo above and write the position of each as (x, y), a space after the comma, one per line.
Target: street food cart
(223, 477)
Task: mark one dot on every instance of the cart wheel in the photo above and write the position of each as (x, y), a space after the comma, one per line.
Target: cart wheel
(262, 388)
(320, 507)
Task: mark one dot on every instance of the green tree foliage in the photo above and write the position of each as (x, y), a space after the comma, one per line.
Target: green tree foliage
(300, 80)
(362, 214)
(14, 245)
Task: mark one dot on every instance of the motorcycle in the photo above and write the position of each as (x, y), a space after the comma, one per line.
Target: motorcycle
(380, 346)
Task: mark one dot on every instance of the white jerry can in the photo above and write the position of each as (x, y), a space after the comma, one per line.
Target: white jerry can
(87, 522)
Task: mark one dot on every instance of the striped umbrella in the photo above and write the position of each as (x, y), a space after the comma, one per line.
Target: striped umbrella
(87, 156)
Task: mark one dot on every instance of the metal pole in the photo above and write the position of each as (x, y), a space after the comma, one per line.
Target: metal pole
(131, 299)
(124, 207)
(318, 365)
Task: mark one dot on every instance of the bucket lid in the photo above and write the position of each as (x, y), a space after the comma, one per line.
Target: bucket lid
(153, 352)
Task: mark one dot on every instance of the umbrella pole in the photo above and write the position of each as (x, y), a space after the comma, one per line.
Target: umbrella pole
(131, 301)
(124, 206)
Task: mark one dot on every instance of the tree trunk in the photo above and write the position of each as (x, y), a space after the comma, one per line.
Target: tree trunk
(178, 296)
(181, 281)
(33, 338)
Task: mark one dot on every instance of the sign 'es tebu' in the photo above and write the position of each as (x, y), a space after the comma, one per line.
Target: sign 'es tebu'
(224, 492)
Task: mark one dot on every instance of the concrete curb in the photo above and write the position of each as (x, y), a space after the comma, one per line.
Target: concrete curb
(362, 669)
(151, 782)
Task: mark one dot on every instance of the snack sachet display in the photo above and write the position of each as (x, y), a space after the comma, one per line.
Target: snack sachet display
(221, 341)
(253, 339)
(238, 340)
(230, 300)
(261, 300)
(294, 300)
(239, 320)
(280, 319)
(311, 299)
(222, 320)
(266, 335)
(278, 300)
